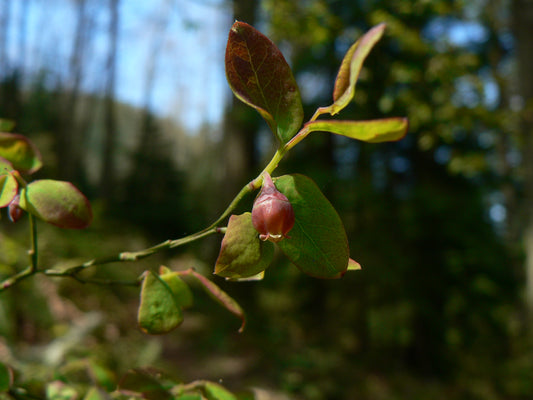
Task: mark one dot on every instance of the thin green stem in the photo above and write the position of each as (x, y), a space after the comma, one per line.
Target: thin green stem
(34, 251)
(73, 272)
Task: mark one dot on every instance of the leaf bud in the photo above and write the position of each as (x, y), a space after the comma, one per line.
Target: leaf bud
(272, 213)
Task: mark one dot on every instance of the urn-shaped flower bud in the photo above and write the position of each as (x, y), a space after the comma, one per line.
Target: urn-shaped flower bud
(14, 210)
(272, 213)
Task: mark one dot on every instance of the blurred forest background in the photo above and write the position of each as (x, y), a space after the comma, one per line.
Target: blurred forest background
(128, 100)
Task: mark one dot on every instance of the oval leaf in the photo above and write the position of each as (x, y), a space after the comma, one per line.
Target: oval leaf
(158, 312)
(351, 67)
(242, 254)
(374, 131)
(318, 244)
(20, 152)
(56, 202)
(180, 290)
(5, 166)
(260, 77)
(8, 189)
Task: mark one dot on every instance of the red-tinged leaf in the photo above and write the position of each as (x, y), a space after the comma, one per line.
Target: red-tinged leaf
(5, 166)
(221, 297)
(242, 254)
(373, 131)
(20, 152)
(159, 311)
(260, 77)
(56, 202)
(351, 67)
(353, 265)
(318, 245)
(8, 189)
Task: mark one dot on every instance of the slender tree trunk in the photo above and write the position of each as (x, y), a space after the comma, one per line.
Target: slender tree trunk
(107, 176)
(67, 141)
(241, 125)
(523, 25)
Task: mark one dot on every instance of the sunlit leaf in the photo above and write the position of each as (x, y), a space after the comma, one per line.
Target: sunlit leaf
(158, 311)
(214, 391)
(58, 390)
(318, 244)
(56, 202)
(221, 297)
(242, 254)
(5, 166)
(353, 265)
(8, 189)
(20, 152)
(373, 131)
(260, 77)
(180, 290)
(351, 67)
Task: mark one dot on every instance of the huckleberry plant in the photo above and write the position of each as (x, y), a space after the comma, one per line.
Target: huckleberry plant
(289, 212)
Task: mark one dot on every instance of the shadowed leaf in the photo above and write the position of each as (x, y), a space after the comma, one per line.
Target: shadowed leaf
(260, 77)
(20, 152)
(242, 254)
(221, 297)
(318, 245)
(373, 131)
(148, 383)
(56, 202)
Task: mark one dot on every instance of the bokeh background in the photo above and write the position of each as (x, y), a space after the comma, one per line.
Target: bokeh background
(128, 100)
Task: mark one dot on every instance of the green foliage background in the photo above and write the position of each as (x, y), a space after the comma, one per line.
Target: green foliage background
(436, 311)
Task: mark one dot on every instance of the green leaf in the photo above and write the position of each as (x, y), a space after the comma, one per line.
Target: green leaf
(5, 166)
(373, 131)
(317, 243)
(20, 152)
(214, 391)
(260, 77)
(242, 254)
(8, 189)
(95, 393)
(353, 265)
(6, 125)
(58, 390)
(350, 68)
(180, 290)
(6, 378)
(147, 383)
(221, 297)
(56, 202)
(159, 311)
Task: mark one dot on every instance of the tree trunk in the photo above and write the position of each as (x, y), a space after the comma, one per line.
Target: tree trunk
(523, 25)
(107, 174)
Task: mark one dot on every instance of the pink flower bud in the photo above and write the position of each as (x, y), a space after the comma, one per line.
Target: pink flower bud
(13, 210)
(272, 213)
